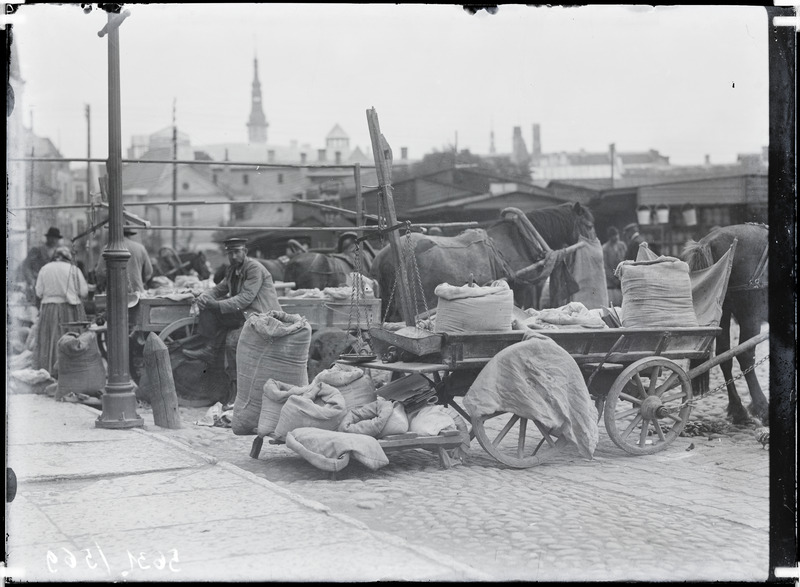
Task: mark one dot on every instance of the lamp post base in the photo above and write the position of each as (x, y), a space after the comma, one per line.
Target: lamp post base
(119, 411)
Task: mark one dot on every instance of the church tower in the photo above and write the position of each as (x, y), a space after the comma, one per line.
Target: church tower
(257, 124)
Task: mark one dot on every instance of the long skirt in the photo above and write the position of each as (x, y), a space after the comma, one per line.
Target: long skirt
(51, 316)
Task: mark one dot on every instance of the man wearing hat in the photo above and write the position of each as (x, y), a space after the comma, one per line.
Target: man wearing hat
(139, 267)
(246, 288)
(39, 256)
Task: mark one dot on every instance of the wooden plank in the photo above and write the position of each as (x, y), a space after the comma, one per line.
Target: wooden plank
(382, 154)
(400, 366)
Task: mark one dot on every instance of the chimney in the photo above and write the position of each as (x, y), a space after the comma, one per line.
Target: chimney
(302, 158)
(271, 156)
(321, 155)
(338, 156)
(708, 159)
(519, 152)
(537, 141)
(403, 152)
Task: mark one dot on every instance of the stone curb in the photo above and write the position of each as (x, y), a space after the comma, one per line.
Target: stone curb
(466, 572)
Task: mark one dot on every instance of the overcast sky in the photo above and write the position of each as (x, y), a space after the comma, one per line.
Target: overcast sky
(687, 81)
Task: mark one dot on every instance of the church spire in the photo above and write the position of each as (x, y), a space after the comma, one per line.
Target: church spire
(257, 124)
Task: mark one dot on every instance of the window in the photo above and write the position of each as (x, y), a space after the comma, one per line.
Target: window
(186, 218)
(280, 178)
(239, 211)
(185, 185)
(245, 179)
(214, 178)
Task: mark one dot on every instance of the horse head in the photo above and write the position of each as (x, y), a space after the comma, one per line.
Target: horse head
(199, 263)
(583, 222)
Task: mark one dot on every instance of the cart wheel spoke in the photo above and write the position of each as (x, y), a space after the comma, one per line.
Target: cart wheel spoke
(516, 443)
(654, 375)
(523, 426)
(667, 413)
(643, 433)
(638, 381)
(505, 430)
(668, 384)
(632, 425)
(630, 398)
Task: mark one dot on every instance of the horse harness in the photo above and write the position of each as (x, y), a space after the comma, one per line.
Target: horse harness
(760, 274)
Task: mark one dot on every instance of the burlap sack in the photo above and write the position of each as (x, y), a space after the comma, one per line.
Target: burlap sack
(273, 345)
(275, 395)
(321, 407)
(355, 386)
(656, 293)
(466, 308)
(80, 364)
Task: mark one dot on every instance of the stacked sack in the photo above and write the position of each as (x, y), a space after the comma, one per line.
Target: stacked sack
(656, 293)
(474, 308)
(273, 346)
(353, 386)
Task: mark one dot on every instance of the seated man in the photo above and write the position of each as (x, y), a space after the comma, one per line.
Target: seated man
(246, 287)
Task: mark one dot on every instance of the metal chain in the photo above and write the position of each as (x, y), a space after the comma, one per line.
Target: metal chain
(719, 387)
(356, 296)
(416, 273)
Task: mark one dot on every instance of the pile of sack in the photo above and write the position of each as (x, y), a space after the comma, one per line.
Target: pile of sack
(335, 417)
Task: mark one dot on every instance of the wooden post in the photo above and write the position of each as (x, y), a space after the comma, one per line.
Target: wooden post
(383, 165)
(157, 383)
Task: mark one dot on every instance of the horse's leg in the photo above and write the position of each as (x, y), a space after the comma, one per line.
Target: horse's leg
(736, 411)
(749, 327)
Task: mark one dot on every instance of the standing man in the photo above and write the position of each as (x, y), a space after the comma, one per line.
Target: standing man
(634, 239)
(246, 287)
(614, 252)
(139, 267)
(38, 257)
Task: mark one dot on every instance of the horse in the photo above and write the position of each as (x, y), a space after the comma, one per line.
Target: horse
(275, 267)
(481, 255)
(311, 269)
(746, 300)
(171, 264)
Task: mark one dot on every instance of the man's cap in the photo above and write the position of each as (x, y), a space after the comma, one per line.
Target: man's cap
(232, 244)
(128, 229)
(53, 232)
(631, 226)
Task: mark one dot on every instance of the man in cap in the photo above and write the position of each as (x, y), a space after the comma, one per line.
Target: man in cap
(139, 267)
(246, 287)
(38, 257)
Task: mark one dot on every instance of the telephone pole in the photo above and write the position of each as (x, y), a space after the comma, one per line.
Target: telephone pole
(90, 240)
(174, 177)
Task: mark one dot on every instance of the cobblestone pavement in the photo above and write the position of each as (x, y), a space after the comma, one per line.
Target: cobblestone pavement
(695, 511)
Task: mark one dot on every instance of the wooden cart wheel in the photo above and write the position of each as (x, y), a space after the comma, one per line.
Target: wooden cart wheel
(516, 441)
(648, 405)
(180, 332)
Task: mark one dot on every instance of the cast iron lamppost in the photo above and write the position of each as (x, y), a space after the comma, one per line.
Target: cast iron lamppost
(119, 400)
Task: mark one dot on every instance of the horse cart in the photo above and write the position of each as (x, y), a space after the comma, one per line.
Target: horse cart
(173, 320)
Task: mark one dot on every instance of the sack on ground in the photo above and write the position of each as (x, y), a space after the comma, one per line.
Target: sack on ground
(355, 386)
(273, 345)
(80, 364)
(467, 308)
(321, 407)
(656, 293)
